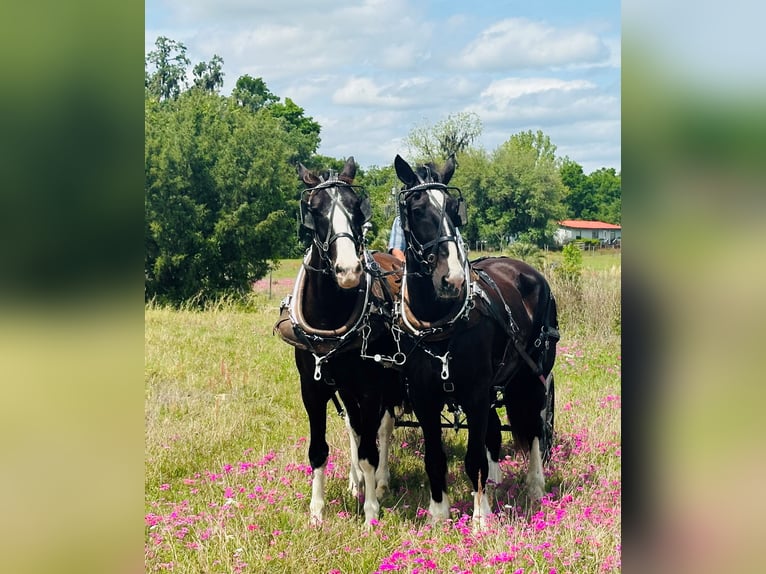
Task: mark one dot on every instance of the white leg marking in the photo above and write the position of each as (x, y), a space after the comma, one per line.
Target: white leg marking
(317, 495)
(494, 475)
(439, 510)
(354, 472)
(383, 474)
(535, 477)
(371, 505)
(481, 511)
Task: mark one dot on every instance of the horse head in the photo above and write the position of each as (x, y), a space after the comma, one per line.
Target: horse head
(333, 210)
(430, 213)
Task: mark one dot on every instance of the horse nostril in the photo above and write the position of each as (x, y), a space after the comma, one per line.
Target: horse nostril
(345, 270)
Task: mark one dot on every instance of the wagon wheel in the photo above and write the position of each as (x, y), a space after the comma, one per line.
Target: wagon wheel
(548, 417)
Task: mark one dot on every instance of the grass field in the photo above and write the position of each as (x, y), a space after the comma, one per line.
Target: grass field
(227, 481)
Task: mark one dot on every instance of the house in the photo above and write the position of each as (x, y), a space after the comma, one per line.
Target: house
(573, 229)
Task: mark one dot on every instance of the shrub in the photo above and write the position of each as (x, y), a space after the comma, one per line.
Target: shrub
(571, 264)
(527, 252)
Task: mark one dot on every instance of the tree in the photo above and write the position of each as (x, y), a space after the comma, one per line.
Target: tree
(169, 60)
(524, 190)
(217, 197)
(577, 196)
(209, 76)
(606, 189)
(252, 93)
(472, 179)
(378, 183)
(595, 197)
(303, 131)
(451, 135)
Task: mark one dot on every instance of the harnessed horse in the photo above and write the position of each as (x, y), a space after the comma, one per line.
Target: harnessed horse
(338, 318)
(479, 329)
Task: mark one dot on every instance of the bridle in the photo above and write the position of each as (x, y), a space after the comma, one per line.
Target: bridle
(426, 257)
(426, 254)
(333, 188)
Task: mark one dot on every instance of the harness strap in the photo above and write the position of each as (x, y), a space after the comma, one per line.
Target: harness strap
(510, 326)
(338, 407)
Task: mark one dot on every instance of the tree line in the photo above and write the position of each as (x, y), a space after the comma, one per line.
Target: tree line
(221, 193)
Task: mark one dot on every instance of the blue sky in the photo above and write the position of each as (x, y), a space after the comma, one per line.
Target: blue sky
(371, 71)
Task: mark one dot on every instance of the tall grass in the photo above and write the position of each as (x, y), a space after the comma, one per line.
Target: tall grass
(227, 478)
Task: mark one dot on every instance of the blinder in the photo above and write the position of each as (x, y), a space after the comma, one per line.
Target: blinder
(459, 217)
(307, 218)
(366, 208)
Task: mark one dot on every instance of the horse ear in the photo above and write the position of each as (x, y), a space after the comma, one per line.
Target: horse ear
(448, 170)
(306, 176)
(404, 172)
(349, 170)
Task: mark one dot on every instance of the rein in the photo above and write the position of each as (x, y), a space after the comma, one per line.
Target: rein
(512, 330)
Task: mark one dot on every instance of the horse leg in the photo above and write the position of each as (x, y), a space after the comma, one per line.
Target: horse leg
(476, 460)
(354, 472)
(316, 408)
(385, 433)
(525, 402)
(369, 458)
(493, 441)
(428, 413)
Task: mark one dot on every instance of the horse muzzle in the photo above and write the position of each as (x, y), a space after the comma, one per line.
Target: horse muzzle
(348, 277)
(450, 286)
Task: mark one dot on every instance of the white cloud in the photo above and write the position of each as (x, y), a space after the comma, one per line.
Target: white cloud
(541, 99)
(521, 43)
(372, 70)
(502, 91)
(364, 92)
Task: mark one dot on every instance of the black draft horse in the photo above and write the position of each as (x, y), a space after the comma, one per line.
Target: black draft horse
(338, 318)
(480, 328)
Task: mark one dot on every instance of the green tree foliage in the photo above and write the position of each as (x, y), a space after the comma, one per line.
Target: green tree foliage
(302, 130)
(523, 191)
(220, 184)
(452, 135)
(606, 188)
(379, 183)
(208, 76)
(597, 196)
(472, 179)
(252, 93)
(168, 64)
(218, 180)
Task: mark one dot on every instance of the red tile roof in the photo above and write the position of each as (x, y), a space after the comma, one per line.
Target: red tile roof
(582, 224)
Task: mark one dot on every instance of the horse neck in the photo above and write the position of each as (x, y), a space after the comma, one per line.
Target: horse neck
(325, 305)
